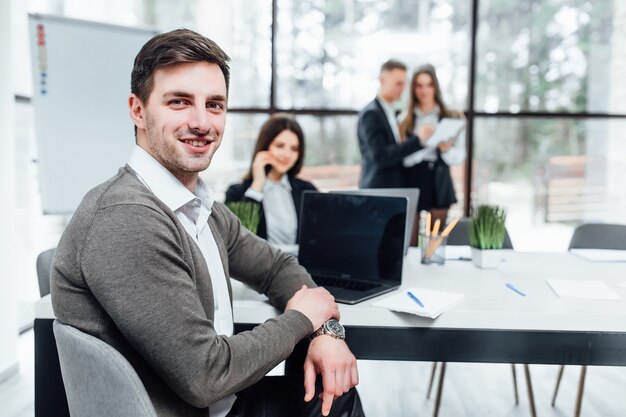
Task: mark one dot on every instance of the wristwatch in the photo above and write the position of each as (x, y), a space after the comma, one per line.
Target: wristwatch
(333, 328)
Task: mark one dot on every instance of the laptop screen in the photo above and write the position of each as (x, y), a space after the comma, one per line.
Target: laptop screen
(352, 236)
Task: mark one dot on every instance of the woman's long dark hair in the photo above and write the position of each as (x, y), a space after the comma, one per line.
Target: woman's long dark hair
(408, 123)
(272, 128)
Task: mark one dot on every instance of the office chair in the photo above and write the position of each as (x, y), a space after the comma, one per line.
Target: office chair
(98, 380)
(591, 236)
(460, 235)
(44, 264)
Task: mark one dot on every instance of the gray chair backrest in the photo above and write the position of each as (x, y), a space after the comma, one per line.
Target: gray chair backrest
(98, 380)
(44, 265)
(599, 236)
(460, 235)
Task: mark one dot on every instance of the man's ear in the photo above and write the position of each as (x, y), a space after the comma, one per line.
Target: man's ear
(135, 107)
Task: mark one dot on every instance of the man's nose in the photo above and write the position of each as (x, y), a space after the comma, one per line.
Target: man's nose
(199, 119)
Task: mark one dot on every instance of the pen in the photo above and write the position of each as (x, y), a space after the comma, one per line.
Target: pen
(510, 286)
(414, 298)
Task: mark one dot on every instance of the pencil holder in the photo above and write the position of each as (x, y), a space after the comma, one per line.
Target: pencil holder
(433, 249)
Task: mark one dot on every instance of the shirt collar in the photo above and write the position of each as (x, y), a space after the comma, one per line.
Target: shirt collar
(165, 185)
(386, 106)
(284, 182)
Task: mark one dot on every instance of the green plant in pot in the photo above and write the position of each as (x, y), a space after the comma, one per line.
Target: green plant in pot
(248, 213)
(487, 235)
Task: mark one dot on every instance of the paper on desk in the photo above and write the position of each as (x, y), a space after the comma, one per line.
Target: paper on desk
(583, 288)
(435, 302)
(601, 255)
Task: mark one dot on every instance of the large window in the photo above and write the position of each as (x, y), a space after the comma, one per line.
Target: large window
(329, 52)
(550, 174)
(541, 82)
(548, 56)
(550, 101)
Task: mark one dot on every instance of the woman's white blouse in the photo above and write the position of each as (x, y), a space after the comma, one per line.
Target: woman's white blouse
(279, 209)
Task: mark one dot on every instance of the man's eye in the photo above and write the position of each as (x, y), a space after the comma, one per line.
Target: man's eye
(217, 106)
(176, 102)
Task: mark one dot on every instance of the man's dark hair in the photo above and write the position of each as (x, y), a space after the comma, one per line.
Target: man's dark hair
(391, 65)
(179, 46)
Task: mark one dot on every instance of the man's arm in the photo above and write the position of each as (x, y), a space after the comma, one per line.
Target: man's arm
(138, 265)
(257, 263)
(283, 278)
(373, 131)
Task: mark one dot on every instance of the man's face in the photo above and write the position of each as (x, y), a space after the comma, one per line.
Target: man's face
(392, 84)
(183, 122)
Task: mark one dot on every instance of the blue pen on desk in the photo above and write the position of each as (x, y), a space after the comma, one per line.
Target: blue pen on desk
(414, 298)
(512, 287)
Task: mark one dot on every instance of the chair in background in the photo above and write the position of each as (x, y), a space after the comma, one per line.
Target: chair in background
(591, 236)
(98, 380)
(460, 235)
(44, 265)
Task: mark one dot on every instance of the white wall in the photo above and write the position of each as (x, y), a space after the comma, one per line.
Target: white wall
(8, 280)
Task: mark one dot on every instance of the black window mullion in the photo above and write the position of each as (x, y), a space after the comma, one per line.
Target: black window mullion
(470, 111)
(272, 108)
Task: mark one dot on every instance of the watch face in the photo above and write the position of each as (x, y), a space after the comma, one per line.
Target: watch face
(335, 327)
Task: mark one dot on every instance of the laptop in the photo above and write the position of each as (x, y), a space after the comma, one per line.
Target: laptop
(353, 245)
(412, 194)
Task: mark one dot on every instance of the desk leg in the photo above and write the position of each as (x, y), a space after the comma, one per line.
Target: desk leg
(439, 389)
(50, 399)
(581, 389)
(531, 396)
(515, 384)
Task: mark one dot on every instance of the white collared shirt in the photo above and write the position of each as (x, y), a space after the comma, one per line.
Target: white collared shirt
(193, 211)
(279, 209)
(391, 118)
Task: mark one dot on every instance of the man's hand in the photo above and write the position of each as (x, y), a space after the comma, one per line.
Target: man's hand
(315, 303)
(332, 359)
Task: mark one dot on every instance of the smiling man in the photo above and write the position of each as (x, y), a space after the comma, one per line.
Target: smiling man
(144, 262)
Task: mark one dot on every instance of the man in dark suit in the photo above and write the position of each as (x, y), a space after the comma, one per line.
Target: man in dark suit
(382, 150)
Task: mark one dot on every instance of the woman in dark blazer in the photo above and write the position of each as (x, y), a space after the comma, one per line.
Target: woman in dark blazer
(426, 108)
(271, 180)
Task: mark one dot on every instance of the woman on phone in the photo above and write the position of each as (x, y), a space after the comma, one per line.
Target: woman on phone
(271, 180)
(431, 171)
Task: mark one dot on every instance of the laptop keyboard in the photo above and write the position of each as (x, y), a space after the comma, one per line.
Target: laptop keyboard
(326, 281)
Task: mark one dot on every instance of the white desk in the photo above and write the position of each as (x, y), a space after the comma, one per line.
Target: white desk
(488, 303)
(491, 324)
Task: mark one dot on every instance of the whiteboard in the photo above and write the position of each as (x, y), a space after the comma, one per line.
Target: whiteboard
(81, 75)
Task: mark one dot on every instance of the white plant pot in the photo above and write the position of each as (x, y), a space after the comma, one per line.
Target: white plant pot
(487, 259)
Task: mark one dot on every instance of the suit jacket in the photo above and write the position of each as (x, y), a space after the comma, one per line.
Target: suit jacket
(236, 193)
(381, 155)
(127, 272)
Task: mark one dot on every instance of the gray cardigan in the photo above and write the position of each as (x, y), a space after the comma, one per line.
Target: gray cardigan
(126, 271)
